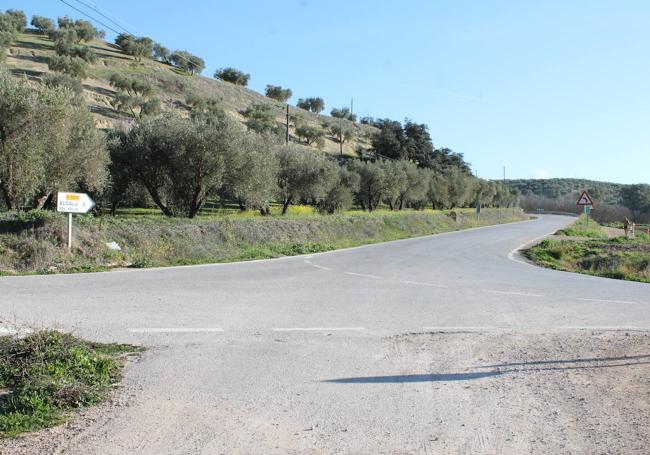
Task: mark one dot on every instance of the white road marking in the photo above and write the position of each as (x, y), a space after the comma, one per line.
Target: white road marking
(318, 329)
(320, 267)
(176, 330)
(603, 327)
(607, 301)
(363, 275)
(523, 294)
(463, 328)
(419, 283)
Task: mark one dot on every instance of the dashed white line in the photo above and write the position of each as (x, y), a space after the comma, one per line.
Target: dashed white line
(607, 301)
(320, 267)
(462, 328)
(419, 283)
(318, 329)
(176, 330)
(362, 275)
(523, 294)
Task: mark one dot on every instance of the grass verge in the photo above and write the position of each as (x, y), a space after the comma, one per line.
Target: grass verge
(620, 258)
(46, 374)
(38, 246)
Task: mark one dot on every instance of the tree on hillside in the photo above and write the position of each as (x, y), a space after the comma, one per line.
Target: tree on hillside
(342, 132)
(84, 30)
(67, 44)
(315, 105)
(181, 161)
(18, 18)
(304, 175)
(63, 81)
(636, 198)
(48, 142)
(139, 47)
(203, 108)
(72, 66)
(161, 53)
(44, 25)
(10, 26)
(389, 141)
(188, 62)
(232, 75)
(444, 159)
(417, 146)
(344, 114)
(261, 118)
(134, 95)
(310, 135)
(278, 93)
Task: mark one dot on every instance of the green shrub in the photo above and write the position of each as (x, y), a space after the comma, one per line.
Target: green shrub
(48, 372)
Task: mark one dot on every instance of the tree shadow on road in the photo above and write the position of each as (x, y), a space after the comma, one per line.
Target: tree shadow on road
(501, 369)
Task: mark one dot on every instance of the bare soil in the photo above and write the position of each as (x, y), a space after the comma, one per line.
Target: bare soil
(577, 392)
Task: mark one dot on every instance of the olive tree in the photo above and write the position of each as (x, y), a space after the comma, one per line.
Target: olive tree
(341, 196)
(181, 161)
(251, 172)
(311, 135)
(304, 175)
(373, 183)
(48, 142)
(232, 75)
(278, 93)
(43, 24)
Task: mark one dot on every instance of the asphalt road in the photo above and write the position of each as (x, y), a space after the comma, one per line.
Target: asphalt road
(245, 357)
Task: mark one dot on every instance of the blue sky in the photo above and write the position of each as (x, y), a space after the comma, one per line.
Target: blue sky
(547, 89)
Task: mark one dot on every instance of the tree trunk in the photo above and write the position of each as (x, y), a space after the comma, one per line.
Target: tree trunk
(285, 205)
(9, 201)
(41, 201)
(242, 206)
(156, 199)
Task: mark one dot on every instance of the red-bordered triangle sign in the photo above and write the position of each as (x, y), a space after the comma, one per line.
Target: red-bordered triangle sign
(585, 199)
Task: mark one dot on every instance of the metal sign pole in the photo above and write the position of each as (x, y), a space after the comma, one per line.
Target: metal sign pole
(69, 232)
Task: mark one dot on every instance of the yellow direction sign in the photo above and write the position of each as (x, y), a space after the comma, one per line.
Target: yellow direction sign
(74, 203)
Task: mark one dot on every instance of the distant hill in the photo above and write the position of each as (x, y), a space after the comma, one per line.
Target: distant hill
(563, 189)
(29, 54)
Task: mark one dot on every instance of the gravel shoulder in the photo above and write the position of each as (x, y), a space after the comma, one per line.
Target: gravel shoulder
(462, 392)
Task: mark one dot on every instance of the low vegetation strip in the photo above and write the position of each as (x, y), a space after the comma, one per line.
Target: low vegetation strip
(589, 251)
(46, 374)
(37, 244)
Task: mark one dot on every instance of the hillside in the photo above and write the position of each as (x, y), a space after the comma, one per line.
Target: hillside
(562, 189)
(29, 54)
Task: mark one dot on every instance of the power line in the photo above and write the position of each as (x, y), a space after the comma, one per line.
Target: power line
(90, 17)
(95, 8)
(180, 57)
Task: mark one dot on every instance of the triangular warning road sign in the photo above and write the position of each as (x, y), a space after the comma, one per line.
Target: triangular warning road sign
(584, 199)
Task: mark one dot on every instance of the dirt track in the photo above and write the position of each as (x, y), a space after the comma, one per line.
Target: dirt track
(492, 393)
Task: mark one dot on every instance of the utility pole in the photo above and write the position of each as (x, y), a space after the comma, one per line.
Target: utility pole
(341, 135)
(287, 135)
(351, 106)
